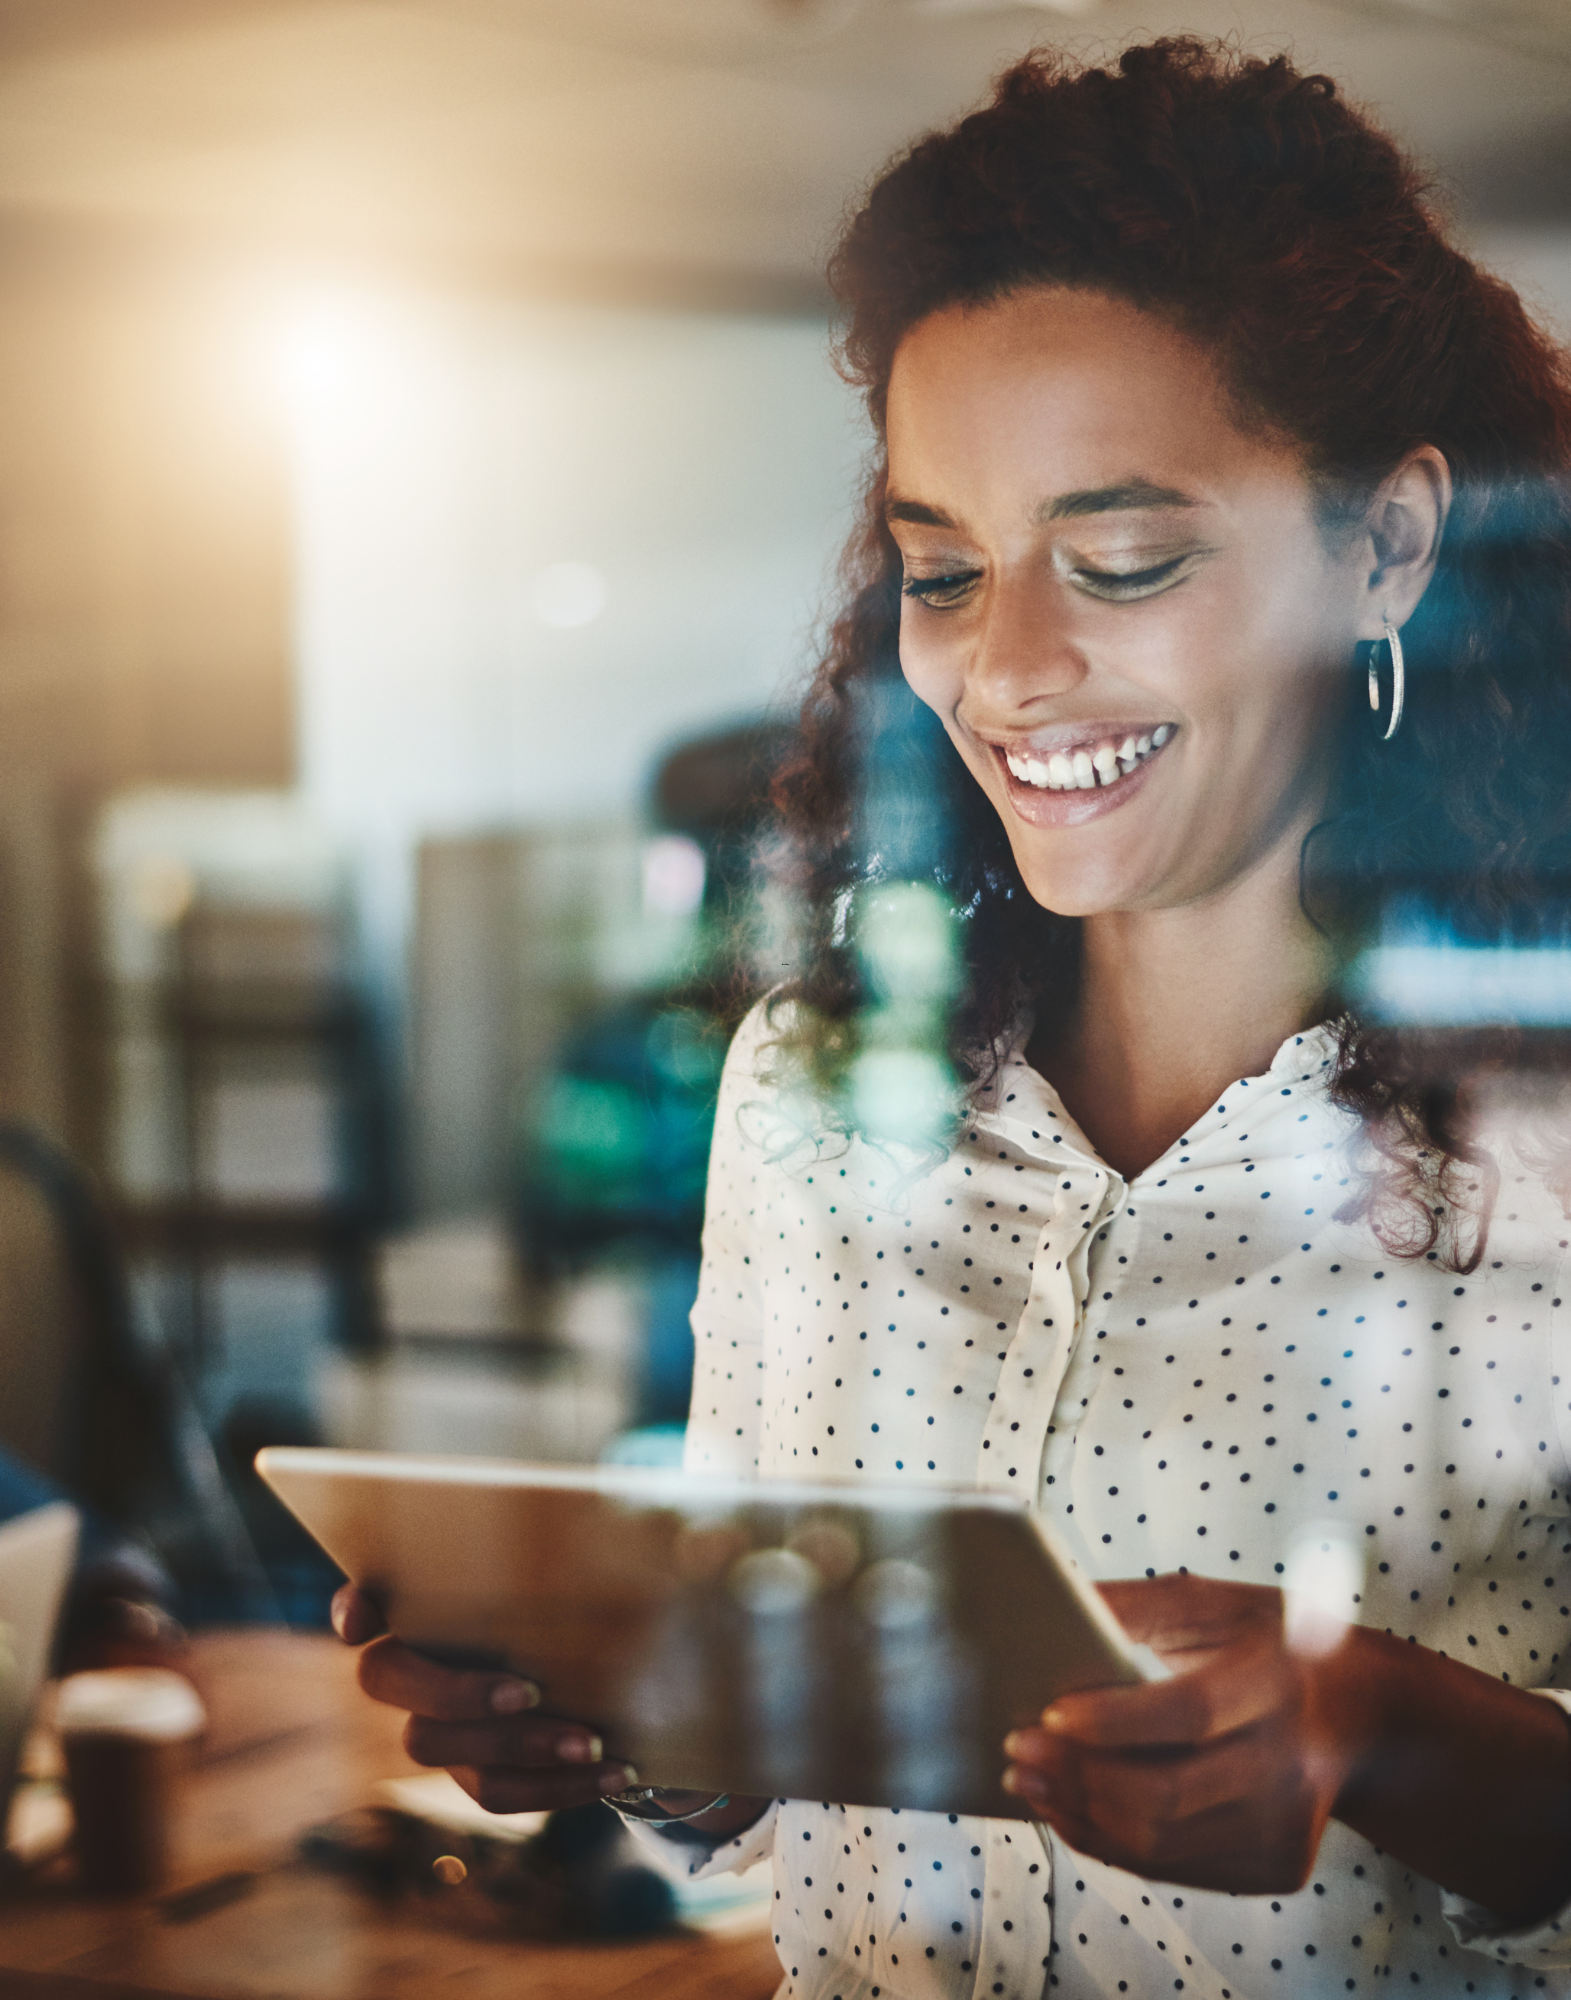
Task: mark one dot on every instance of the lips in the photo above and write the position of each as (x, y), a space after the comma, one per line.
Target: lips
(1099, 761)
(1066, 776)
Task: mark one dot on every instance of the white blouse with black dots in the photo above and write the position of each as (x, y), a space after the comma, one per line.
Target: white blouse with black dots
(1184, 1370)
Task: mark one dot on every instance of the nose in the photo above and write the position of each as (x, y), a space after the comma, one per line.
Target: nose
(1026, 648)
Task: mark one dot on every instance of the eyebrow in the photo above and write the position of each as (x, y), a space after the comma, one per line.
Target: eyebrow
(916, 512)
(1130, 496)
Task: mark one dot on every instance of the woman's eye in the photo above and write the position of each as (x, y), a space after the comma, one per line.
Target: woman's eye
(940, 593)
(1120, 586)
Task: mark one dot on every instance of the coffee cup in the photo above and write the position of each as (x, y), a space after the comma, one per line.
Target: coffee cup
(127, 1734)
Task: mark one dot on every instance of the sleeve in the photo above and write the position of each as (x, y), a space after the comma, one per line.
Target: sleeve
(686, 1855)
(728, 1315)
(1544, 1946)
(1560, 1374)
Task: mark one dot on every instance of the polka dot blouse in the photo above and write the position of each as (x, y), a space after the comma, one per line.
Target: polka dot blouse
(1186, 1369)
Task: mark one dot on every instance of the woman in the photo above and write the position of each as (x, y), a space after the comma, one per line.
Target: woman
(1195, 435)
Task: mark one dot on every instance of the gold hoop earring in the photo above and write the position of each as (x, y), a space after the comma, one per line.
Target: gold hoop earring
(1398, 681)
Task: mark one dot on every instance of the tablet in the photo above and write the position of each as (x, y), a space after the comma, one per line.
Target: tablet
(855, 1643)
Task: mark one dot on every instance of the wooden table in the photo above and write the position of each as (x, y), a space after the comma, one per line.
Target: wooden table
(292, 1742)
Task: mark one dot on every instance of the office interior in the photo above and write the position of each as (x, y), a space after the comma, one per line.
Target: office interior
(421, 477)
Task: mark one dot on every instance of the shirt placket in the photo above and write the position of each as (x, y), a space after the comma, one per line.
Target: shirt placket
(1010, 1460)
(1037, 1358)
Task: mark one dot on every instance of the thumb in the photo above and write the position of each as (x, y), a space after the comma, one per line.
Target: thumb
(356, 1617)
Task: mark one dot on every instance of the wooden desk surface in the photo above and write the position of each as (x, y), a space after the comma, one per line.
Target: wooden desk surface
(292, 1741)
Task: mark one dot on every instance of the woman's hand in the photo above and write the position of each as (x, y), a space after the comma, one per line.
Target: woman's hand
(480, 1726)
(483, 1728)
(1222, 1777)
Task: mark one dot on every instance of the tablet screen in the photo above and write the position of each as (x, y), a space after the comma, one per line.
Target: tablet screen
(851, 1643)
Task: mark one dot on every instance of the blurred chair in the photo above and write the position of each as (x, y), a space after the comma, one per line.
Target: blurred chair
(281, 1148)
(98, 1411)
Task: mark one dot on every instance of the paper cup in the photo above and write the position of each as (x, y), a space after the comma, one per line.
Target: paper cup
(127, 1735)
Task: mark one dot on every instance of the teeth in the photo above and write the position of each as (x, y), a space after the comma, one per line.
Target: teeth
(1082, 770)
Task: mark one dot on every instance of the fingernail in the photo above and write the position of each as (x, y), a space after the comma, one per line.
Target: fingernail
(618, 1778)
(1055, 1719)
(1014, 1743)
(338, 1612)
(1011, 1780)
(580, 1749)
(508, 1697)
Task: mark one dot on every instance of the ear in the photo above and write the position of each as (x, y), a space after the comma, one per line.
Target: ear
(1402, 529)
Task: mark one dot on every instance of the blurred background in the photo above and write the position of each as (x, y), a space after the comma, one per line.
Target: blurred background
(420, 477)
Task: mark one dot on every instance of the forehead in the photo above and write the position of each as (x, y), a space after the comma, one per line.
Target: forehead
(1052, 389)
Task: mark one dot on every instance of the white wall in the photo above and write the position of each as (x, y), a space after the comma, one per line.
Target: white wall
(1538, 263)
(445, 455)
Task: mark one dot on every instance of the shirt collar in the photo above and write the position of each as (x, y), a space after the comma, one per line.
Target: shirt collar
(1023, 1107)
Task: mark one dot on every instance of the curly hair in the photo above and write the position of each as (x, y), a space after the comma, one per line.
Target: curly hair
(1258, 211)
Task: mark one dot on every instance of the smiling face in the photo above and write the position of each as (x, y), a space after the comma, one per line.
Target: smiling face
(1119, 603)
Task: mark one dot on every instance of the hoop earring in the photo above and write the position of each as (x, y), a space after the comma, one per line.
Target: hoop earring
(1398, 681)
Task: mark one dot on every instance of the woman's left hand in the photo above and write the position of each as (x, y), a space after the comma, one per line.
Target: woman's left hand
(1222, 1777)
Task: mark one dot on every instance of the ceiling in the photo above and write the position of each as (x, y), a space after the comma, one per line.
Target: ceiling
(701, 147)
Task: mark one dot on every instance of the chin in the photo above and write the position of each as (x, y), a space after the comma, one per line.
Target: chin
(1079, 892)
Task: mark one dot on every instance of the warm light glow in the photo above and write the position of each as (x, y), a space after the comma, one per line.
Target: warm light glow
(318, 350)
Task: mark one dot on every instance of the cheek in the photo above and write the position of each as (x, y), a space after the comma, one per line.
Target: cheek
(932, 667)
(934, 670)
(1259, 684)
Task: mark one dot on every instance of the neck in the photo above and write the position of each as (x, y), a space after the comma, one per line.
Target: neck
(1174, 1005)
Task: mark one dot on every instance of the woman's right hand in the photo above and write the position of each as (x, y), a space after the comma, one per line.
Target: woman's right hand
(482, 1727)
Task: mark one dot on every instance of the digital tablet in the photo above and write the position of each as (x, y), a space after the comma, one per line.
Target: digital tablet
(862, 1644)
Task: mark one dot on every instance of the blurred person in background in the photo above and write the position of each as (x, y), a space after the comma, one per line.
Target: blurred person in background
(1217, 557)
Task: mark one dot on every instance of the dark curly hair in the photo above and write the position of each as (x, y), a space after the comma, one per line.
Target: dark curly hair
(1259, 211)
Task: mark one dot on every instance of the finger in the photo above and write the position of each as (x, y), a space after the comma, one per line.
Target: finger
(393, 1673)
(1241, 1687)
(1051, 1790)
(500, 1791)
(356, 1617)
(1132, 1795)
(1229, 1849)
(1050, 1781)
(530, 1742)
(1085, 1837)
(1229, 1815)
(1180, 1614)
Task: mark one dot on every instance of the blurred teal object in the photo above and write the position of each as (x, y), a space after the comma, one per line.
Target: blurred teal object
(651, 1444)
(612, 1156)
(1422, 973)
(616, 1151)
